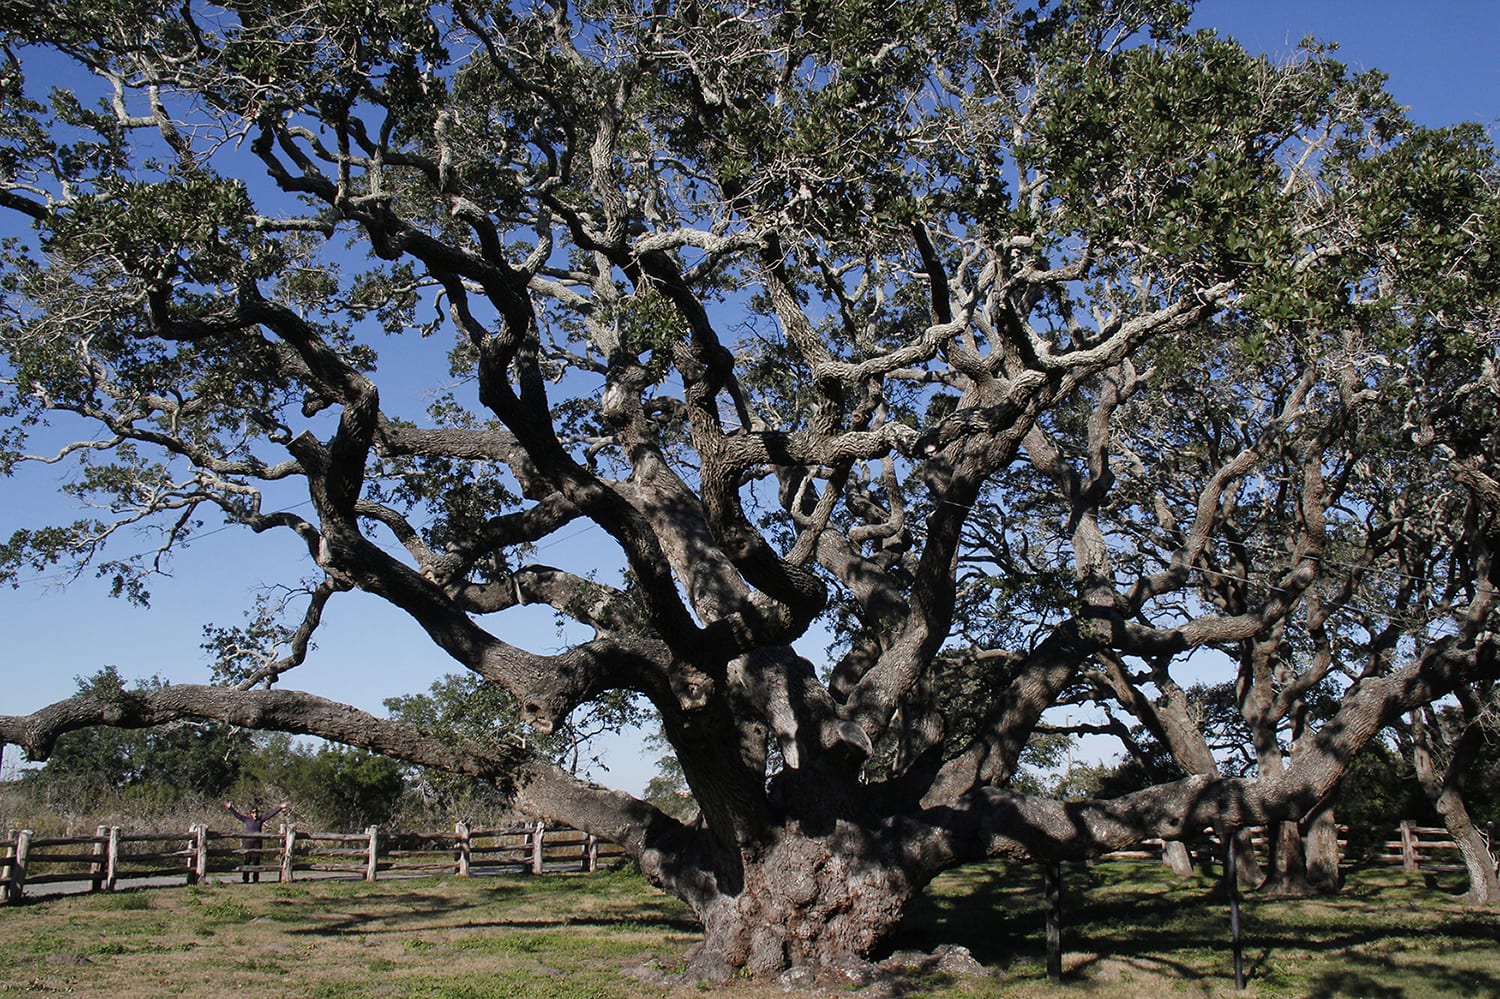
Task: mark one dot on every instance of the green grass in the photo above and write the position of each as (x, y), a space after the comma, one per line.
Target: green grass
(130, 900)
(1130, 931)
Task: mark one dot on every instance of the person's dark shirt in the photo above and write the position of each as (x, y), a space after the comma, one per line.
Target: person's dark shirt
(253, 822)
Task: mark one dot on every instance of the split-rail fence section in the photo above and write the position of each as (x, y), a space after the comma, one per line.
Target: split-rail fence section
(113, 855)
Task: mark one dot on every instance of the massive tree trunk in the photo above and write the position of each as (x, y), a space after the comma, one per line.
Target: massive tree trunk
(1479, 862)
(1299, 864)
(802, 899)
(1445, 790)
(1286, 862)
(1322, 842)
(1286, 866)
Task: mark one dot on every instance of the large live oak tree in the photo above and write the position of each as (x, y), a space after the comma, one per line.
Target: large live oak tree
(1015, 349)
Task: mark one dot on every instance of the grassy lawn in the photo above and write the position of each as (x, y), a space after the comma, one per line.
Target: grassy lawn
(1130, 931)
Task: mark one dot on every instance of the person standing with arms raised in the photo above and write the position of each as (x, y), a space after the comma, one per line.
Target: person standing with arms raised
(254, 821)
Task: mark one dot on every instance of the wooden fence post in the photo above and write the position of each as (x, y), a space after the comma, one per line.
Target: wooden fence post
(288, 850)
(462, 848)
(1175, 855)
(112, 859)
(101, 851)
(15, 885)
(200, 854)
(6, 852)
(370, 865)
(1052, 891)
(99, 865)
(1408, 846)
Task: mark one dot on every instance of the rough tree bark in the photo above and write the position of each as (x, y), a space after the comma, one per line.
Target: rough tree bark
(1445, 789)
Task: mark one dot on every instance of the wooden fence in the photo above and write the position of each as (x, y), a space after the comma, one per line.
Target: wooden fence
(1424, 848)
(1414, 847)
(112, 855)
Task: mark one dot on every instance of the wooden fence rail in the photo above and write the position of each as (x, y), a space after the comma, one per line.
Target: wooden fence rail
(1414, 847)
(112, 855)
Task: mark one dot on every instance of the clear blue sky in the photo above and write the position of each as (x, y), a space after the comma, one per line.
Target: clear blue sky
(1440, 55)
(1441, 60)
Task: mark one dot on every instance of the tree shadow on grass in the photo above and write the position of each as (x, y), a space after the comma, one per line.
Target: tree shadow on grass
(1181, 929)
(401, 914)
(998, 915)
(1438, 978)
(398, 925)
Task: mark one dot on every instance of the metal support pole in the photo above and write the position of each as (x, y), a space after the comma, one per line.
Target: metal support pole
(1052, 890)
(1232, 884)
